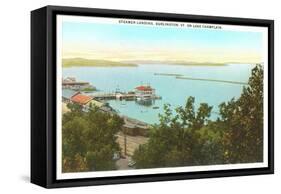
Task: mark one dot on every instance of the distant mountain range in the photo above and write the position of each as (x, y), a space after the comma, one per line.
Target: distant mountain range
(82, 62)
(173, 62)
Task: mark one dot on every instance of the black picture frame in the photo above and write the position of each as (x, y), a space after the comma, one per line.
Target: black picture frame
(43, 95)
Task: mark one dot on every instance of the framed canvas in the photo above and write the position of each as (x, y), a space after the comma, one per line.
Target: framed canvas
(128, 96)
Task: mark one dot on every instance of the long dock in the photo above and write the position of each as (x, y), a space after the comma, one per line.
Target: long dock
(112, 96)
(104, 96)
(118, 96)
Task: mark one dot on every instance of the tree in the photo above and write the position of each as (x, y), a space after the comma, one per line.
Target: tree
(89, 139)
(243, 118)
(177, 140)
(187, 137)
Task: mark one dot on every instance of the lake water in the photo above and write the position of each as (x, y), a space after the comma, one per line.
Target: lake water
(173, 91)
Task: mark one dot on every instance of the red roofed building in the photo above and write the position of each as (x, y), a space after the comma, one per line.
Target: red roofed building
(144, 92)
(81, 99)
(144, 88)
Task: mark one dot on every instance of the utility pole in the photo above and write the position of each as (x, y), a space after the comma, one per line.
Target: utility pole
(125, 142)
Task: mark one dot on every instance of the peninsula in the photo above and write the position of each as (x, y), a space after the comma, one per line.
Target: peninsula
(82, 62)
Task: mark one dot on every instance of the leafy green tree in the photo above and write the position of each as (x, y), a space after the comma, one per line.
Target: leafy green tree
(89, 139)
(243, 120)
(184, 136)
(187, 137)
(178, 140)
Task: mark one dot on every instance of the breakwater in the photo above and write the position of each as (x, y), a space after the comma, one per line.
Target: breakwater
(212, 80)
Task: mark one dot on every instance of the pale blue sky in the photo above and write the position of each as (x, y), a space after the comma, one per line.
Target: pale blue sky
(99, 38)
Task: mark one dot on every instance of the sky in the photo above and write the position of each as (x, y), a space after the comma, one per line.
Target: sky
(125, 42)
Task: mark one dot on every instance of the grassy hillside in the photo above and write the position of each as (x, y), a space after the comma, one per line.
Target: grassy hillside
(81, 62)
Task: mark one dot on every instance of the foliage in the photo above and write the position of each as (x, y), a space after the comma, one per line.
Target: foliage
(243, 120)
(188, 137)
(89, 139)
(179, 140)
(184, 137)
(89, 89)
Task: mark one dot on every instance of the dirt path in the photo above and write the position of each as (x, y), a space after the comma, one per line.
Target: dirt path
(133, 142)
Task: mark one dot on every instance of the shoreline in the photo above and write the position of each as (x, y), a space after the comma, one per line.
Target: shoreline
(83, 62)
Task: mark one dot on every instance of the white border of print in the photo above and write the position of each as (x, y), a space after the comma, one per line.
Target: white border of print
(60, 175)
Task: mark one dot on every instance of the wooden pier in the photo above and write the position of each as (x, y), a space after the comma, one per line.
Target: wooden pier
(104, 96)
(118, 96)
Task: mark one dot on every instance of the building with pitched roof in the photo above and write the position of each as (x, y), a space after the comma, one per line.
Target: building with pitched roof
(144, 92)
(81, 99)
(71, 83)
(67, 94)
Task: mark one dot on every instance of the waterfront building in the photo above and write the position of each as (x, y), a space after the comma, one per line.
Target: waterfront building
(67, 94)
(81, 99)
(144, 92)
(71, 83)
